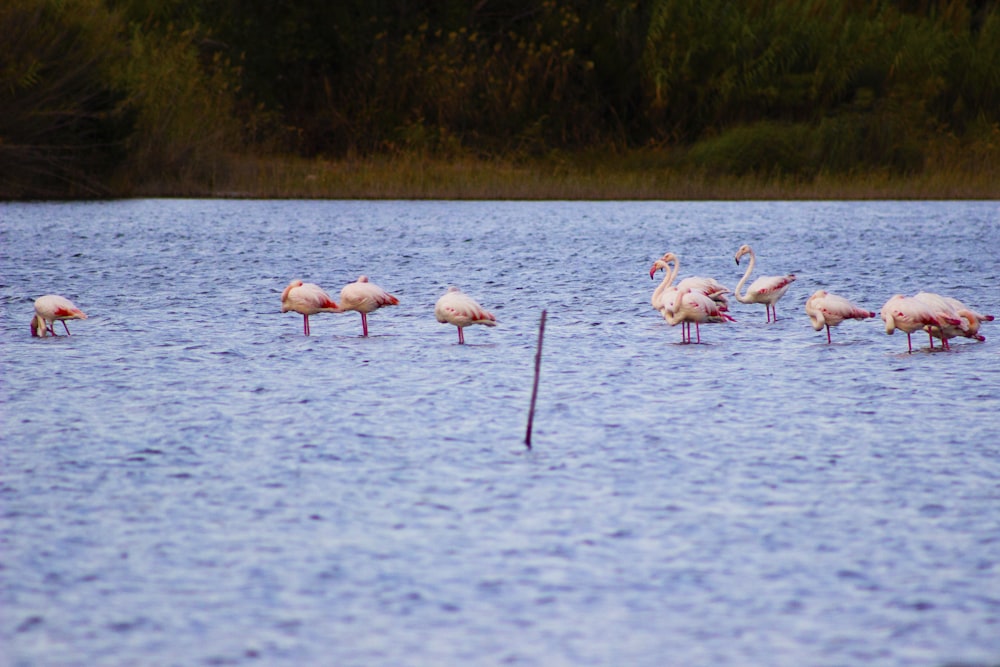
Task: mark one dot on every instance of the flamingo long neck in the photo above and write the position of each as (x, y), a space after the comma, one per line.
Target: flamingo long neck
(39, 328)
(742, 297)
(670, 271)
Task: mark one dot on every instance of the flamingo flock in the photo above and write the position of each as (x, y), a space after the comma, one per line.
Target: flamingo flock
(702, 300)
(694, 300)
(365, 297)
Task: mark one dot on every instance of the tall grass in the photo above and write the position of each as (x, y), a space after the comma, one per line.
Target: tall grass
(636, 175)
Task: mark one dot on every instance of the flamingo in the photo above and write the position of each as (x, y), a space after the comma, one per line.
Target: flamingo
(829, 310)
(308, 299)
(666, 293)
(766, 289)
(364, 297)
(50, 308)
(456, 307)
(909, 314)
(951, 310)
(692, 306)
(972, 318)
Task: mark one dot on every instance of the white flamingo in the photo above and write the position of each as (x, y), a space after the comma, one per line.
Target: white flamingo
(909, 314)
(972, 318)
(693, 306)
(829, 310)
(666, 293)
(50, 308)
(456, 307)
(364, 297)
(307, 299)
(766, 289)
(950, 310)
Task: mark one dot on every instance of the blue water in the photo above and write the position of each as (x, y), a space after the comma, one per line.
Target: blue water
(188, 480)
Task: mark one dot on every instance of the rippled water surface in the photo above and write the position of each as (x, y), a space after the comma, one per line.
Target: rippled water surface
(188, 480)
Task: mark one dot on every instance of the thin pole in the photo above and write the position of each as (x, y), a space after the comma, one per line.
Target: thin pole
(534, 390)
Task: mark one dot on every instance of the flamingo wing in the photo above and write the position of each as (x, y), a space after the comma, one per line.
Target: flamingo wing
(53, 307)
(770, 287)
(459, 309)
(365, 296)
(307, 298)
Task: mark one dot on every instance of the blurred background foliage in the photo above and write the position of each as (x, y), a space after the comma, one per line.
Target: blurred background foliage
(102, 97)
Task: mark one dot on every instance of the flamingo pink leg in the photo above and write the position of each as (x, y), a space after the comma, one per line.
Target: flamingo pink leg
(461, 338)
(909, 344)
(364, 324)
(828, 341)
(305, 324)
(697, 329)
(65, 327)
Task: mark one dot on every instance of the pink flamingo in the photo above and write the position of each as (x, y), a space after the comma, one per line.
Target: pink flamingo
(909, 314)
(457, 308)
(829, 310)
(971, 317)
(951, 309)
(766, 289)
(50, 308)
(666, 293)
(692, 306)
(308, 299)
(364, 297)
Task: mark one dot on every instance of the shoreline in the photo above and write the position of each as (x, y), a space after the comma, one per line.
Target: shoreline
(562, 178)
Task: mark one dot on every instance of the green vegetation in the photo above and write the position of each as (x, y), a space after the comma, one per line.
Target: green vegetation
(500, 98)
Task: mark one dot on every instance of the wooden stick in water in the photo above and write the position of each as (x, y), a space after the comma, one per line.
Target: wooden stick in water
(534, 390)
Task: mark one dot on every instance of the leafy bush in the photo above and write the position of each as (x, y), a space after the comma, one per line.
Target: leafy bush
(62, 126)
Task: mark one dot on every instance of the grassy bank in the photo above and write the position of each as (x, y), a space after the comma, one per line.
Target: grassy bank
(631, 177)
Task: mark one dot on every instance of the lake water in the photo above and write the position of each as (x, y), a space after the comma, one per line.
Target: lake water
(188, 480)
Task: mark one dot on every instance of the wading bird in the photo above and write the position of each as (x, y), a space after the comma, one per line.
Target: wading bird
(829, 310)
(665, 295)
(364, 297)
(692, 306)
(307, 299)
(457, 308)
(954, 324)
(50, 308)
(909, 314)
(766, 289)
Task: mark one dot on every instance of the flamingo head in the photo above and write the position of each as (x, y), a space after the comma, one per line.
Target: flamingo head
(662, 263)
(38, 328)
(362, 279)
(744, 249)
(890, 322)
(284, 295)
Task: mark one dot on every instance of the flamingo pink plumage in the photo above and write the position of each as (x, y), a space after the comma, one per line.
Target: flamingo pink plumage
(364, 297)
(456, 307)
(909, 314)
(829, 310)
(972, 318)
(665, 295)
(50, 308)
(766, 289)
(954, 323)
(693, 306)
(307, 299)
(665, 292)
